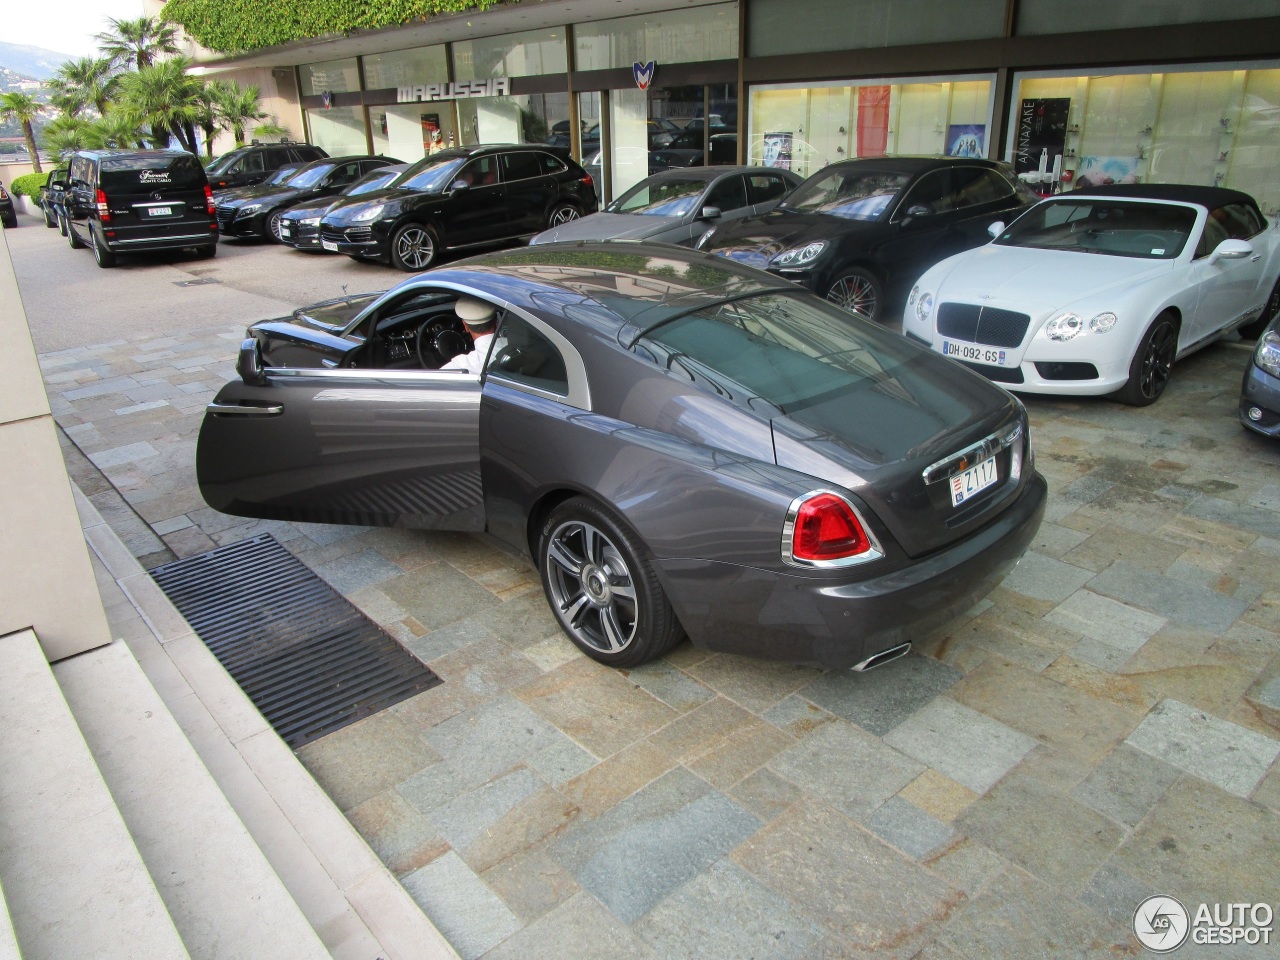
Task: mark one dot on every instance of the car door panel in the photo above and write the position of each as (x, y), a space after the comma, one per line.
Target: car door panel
(530, 192)
(478, 212)
(382, 448)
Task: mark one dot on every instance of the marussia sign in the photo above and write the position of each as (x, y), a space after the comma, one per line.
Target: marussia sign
(430, 92)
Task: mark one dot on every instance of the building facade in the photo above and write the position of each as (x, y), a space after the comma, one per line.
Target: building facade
(1072, 94)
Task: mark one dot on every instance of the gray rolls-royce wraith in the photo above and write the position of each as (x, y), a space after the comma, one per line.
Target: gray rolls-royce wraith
(682, 445)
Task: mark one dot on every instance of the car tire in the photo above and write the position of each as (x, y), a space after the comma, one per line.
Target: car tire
(11, 223)
(50, 218)
(858, 291)
(600, 582)
(73, 241)
(1253, 329)
(62, 224)
(414, 247)
(105, 258)
(207, 252)
(562, 213)
(271, 229)
(1152, 363)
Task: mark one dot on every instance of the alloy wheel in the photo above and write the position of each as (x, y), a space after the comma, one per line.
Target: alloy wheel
(563, 214)
(855, 293)
(591, 586)
(415, 248)
(1157, 361)
(273, 224)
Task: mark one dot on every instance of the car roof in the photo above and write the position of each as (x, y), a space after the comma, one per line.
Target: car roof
(114, 154)
(710, 173)
(911, 165)
(637, 284)
(1209, 197)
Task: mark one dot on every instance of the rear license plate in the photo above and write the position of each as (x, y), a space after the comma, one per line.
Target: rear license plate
(973, 481)
(975, 353)
(329, 245)
(159, 211)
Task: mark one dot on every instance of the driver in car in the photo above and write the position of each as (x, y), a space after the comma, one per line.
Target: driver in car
(479, 319)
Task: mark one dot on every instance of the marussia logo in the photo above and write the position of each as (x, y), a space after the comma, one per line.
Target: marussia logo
(643, 72)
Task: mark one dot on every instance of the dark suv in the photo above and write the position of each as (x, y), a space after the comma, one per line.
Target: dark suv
(463, 197)
(120, 201)
(255, 211)
(244, 166)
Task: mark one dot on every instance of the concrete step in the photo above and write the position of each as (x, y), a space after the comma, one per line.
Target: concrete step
(75, 883)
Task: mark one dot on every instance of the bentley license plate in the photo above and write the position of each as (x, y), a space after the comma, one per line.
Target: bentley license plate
(329, 245)
(976, 353)
(159, 211)
(973, 481)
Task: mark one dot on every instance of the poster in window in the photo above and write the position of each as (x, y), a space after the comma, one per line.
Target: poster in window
(432, 140)
(1101, 171)
(967, 140)
(777, 150)
(1042, 135)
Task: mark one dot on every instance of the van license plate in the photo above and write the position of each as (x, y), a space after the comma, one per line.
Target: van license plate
(329, 245)
(973, 481)
(159, 211)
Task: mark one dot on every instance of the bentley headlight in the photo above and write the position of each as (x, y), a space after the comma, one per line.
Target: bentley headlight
(1064, 326)
(1102, 322)
(311, 221)
(1267, 354)
(799, 256)
(369, 213)
(924, 307)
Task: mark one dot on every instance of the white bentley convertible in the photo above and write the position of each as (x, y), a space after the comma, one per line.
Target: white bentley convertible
(1100, 292)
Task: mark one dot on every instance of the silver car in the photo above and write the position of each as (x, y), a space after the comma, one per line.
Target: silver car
(680, 205)
(682, 445)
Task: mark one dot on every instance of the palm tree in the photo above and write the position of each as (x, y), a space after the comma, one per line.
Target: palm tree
(117, 129)
(65, 135)
(138, 42)
(207, 116)
(86, 81)
(239, 106)
(165, 98)
(23, 108)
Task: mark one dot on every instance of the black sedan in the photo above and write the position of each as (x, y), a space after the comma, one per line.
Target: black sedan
(678, 206)
(682, 445)
(1260, 392)
(255, 211)
(300, 225)
(459, 198)
(861, 232)
(8, 213)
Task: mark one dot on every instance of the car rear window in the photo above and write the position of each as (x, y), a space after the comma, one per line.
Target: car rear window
(146, 174)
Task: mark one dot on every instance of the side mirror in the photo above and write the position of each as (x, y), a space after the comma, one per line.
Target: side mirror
(59, 184)
(919, 210)
(458, 186)
(996, 229)
(249, 363)
(1232, 250)
(710, 213)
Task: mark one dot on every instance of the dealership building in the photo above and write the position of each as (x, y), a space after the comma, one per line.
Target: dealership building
(1073, 94)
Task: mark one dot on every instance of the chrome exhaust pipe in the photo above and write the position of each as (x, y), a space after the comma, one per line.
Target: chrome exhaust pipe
(883, 657)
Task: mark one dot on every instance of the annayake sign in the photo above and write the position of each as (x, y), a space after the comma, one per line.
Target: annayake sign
(430, 92)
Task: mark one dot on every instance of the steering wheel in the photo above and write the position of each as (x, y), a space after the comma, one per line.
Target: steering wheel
(439, 340)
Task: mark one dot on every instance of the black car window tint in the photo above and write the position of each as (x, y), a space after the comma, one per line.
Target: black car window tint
(480, 172)
(932, 192)
(146, 174)
(345, 174)
(520, 166)
(251, 163)
(728, 194)
(1215, 231)
(551, 164)
(521, 354)
(1154, 231)
(763, 188)
(974, 186)
(1235, 217)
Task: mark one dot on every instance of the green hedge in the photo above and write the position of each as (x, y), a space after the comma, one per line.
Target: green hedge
(234, 26)
(29, 184)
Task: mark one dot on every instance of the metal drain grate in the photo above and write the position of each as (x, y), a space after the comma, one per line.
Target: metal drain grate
(196, 283)
(308, 659)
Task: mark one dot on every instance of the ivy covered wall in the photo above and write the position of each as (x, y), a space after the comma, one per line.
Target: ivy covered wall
(235, 26)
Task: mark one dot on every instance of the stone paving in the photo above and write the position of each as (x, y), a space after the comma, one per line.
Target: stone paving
(1104, 727)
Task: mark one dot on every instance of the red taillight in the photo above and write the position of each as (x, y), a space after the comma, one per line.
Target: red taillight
(208, 201)
(826, 528)
(103, 213)
(586, 179)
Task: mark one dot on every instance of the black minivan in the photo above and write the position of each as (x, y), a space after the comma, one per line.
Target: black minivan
(122, 201)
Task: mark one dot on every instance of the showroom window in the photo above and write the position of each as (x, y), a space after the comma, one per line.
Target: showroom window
(1215, 127)
(514, 55)
(774, 28)
(672, 36)
(338, 130)
(403, 68)
(804, 128)
(332, 76)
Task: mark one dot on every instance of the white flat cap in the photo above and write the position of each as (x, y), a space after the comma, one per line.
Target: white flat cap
(473, 312)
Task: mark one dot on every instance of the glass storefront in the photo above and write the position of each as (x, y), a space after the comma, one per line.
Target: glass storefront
(1210, 127)
(402, 68)
(531, 118)
(804, 128)
(332, 76)
(672, 36)
(411, 131)
(339, 130)
(529, 54)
